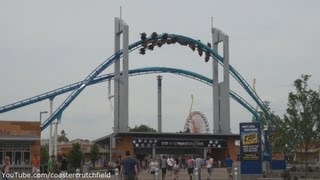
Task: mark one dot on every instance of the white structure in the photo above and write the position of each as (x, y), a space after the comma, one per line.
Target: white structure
(50, 132)
(221, 100)
(220, 90)
(53, 140)
(121, 83)
(196, 123)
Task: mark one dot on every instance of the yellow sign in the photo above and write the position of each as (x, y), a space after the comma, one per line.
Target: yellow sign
(249, 139)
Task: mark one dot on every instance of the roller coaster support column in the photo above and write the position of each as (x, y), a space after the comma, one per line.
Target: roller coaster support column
(221, 101)
(159, 78)
(121, 82)
(50, 132)
(56, 136)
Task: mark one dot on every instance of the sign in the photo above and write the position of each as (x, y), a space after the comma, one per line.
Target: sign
(140, 142)
(181, 143)
(10, 133)
(250, 148)
(250, 141)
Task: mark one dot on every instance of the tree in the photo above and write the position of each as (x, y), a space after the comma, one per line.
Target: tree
(276, 131)
(44, 155)
(63, 137)
(142, 128)
(94, 151)
(75, 155)
(302, 117)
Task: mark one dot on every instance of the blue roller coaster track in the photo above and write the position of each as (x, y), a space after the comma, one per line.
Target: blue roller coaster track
(105, 64)
(133, 72)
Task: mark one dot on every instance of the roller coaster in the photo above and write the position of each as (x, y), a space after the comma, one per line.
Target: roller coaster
(94, 78)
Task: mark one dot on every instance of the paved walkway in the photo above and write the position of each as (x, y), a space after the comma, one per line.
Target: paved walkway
(218, 174)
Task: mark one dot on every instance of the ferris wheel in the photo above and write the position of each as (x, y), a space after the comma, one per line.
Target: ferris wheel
(196, 123)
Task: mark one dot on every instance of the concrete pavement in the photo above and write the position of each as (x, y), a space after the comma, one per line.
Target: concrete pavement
(218, 174)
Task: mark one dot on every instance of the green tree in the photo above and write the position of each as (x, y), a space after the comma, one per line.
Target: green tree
(142, 128)
(302, 118)
(63, 137)
(44, 155)
(94, 151)
(75, 155)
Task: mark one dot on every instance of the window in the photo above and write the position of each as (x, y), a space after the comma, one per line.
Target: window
(8, 146)
(26, 158)
(9, 153)
(17, 152)
(17, 158)
(1, 156)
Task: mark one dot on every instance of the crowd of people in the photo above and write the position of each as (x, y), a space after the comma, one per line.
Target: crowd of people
(170, 166)
(130, 167)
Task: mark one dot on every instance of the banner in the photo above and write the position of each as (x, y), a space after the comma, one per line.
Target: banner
(250, 148)
(250, 141)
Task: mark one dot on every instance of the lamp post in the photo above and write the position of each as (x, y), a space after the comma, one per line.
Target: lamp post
(285, 153)
(42, 112)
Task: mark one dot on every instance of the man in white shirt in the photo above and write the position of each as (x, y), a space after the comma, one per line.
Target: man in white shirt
(170, 163)
(198, 164)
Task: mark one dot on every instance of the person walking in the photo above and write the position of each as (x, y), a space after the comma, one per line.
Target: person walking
(6, 168)
(152, 167)
(52, 165)
(163, 165)
(209, 166)
(228, 164)
(176, 169)
(190, 166)
(129, 168)
(35, 164)
(199, 164)
(170, 164)
(63, 166)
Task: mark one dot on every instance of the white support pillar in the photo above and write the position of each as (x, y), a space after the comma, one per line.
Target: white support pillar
(225, 90)
(121, 81)
(124, 85)
(215, 83)
(220, 90)
(116, 76)
(55, 149)
(50, 132)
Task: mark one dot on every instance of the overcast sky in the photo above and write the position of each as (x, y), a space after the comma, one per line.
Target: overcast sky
(48, 44)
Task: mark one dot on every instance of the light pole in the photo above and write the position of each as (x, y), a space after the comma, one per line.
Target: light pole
(42, 112)
(285, 153)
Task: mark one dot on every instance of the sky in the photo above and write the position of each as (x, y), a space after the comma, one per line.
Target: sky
(45, 45)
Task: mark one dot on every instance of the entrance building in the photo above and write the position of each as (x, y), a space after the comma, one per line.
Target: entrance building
(182, 145)
(20, 141)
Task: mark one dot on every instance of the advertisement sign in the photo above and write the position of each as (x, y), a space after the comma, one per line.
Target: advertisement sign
(250, 148)
(250, 141)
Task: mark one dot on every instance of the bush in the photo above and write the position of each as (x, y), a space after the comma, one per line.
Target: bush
(285, 174)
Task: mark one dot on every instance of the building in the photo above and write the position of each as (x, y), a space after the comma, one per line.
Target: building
(313, 153)
(20, 140)
(65, 148)
(146, 145)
